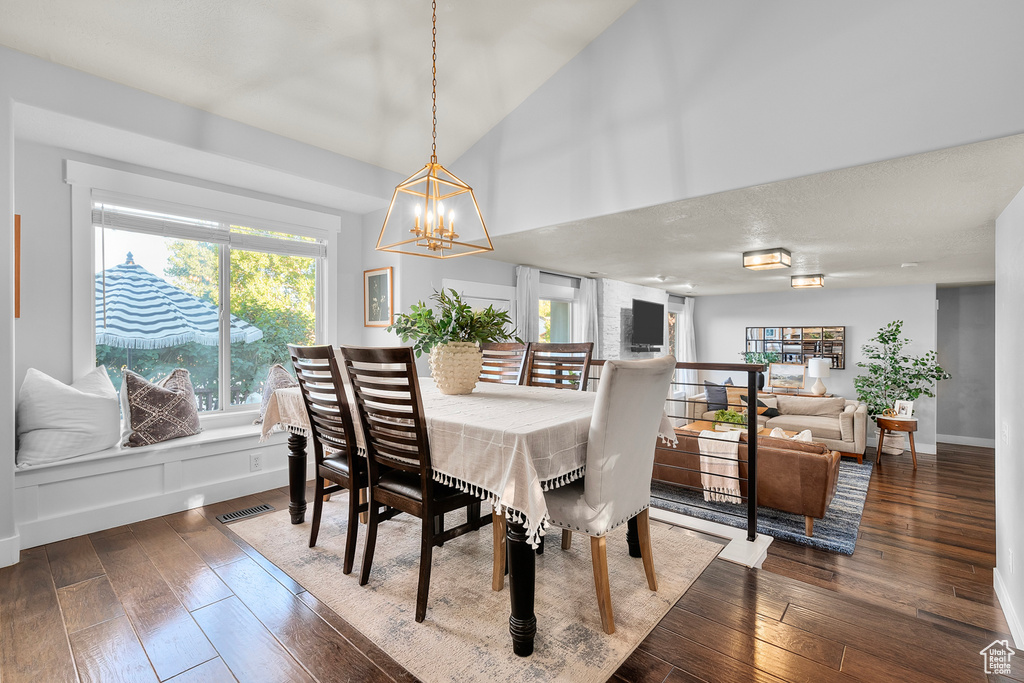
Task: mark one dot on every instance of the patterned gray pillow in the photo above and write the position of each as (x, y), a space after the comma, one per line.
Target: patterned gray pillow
(158, 411)
(277, 378)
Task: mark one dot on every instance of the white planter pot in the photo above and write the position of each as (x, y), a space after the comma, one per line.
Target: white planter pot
(455, 366)
(895, 442)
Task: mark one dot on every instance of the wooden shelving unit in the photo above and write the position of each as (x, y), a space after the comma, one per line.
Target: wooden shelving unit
(798, 344)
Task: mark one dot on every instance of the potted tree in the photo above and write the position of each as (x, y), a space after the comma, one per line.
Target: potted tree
(894, 376)
(452, 337)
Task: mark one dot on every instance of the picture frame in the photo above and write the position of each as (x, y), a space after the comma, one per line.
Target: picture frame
(904, 409)
(786, 375)
(378, 297)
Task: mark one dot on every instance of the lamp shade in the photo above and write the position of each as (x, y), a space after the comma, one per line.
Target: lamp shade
(818, 367)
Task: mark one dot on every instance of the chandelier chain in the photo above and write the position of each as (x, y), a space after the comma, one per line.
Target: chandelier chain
(433, 86)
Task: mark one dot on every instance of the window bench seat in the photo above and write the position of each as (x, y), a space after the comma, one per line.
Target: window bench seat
(119, 486)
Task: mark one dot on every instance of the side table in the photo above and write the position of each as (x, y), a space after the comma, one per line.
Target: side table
(888, 424)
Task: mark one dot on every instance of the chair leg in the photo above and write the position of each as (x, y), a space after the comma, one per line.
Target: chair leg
(353, 530)
(498, 571)
(643, 532)
(439, 527)
(566, 539)
(473, 515)
(426, 555)
(371, 541)
(808, 526)
(318, 508)
(599, 558)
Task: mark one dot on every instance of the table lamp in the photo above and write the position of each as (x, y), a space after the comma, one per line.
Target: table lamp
(818, 367)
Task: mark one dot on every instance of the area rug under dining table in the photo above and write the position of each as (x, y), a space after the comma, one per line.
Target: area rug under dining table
(465, 635)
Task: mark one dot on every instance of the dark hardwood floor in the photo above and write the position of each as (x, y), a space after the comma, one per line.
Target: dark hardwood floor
(182, 598)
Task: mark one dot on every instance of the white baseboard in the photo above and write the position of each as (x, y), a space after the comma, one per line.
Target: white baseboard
(919, 446)
(1008, 611)
(738, 550)
(10, 550)
(966, 440)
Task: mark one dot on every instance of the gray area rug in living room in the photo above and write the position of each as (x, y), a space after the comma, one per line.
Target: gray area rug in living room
(465, 635)
(835, 532)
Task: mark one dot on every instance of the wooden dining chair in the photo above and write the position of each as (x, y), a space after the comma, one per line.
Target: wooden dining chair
(620, 462)
(390, 409)
(503, 362)
(333, 434)
(559, 366)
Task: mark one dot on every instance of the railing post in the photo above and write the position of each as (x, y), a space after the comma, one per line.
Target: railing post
(752, 430)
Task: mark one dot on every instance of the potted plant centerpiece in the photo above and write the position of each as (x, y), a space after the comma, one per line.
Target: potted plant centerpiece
(452, 333)
(894, 376)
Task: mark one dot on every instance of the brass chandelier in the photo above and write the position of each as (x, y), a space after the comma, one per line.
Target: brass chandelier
(421, 220)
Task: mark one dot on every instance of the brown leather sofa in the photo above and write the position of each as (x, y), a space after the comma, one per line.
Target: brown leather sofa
(792, 476)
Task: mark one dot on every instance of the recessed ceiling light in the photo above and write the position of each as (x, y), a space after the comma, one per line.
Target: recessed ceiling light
(596, 272)
(805, 281)
(909, 264)
(766, 259)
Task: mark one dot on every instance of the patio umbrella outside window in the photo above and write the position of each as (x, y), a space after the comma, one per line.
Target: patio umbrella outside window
(136, 309)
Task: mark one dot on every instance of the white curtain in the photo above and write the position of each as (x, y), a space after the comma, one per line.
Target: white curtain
(585, 320)
(687, 343)
(527, 286)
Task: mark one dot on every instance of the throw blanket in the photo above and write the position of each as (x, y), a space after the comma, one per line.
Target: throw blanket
(719, 465)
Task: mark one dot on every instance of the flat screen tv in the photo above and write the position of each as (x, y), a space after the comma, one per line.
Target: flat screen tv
(648, 323)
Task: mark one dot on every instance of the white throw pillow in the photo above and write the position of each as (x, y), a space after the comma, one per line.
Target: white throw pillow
(56, 421)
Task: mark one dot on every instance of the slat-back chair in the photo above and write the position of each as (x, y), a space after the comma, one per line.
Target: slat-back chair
(503, 362)
(558, 366)
(398, 452)
(334, 443)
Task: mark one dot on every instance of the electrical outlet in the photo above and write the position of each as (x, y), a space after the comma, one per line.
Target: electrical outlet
(1006, 433)
(255, 462)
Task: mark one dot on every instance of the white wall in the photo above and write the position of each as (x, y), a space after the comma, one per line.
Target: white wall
(683, 99)
(965, 405)
(1009, 408)
(720, 324)
(124, 118)
(613, 297)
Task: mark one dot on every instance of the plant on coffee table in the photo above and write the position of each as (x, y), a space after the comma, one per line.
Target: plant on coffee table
(730, 416)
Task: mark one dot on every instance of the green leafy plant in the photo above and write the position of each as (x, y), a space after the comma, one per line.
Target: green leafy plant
(730, 416)
(893, 375)
(761, 357)
(454, 321)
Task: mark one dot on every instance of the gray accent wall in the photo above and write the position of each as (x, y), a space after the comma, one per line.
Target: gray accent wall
(966, 404)
(720, 326)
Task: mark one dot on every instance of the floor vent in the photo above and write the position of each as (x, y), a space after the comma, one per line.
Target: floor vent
(242, 514)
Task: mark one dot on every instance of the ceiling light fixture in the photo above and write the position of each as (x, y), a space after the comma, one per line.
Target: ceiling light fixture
(805, 281)
(416, 222)
(766, 259)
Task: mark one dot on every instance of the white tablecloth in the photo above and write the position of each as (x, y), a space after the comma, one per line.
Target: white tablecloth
(505, 443)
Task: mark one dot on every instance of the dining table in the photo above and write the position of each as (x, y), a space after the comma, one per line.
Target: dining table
(508, 444)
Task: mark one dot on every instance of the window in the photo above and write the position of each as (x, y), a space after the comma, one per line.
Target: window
(218, 295)
(555, 325)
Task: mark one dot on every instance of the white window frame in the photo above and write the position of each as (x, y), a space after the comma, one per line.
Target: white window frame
(89, 179)
(558, 287)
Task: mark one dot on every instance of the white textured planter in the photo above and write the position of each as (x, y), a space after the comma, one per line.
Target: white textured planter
(895, 442)
(455, 366)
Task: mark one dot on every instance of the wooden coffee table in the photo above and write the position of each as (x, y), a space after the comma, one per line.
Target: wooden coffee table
(891, 424)
(701, 425)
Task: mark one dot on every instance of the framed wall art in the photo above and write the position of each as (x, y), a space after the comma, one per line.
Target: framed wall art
(378, 297)
(786, 375)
